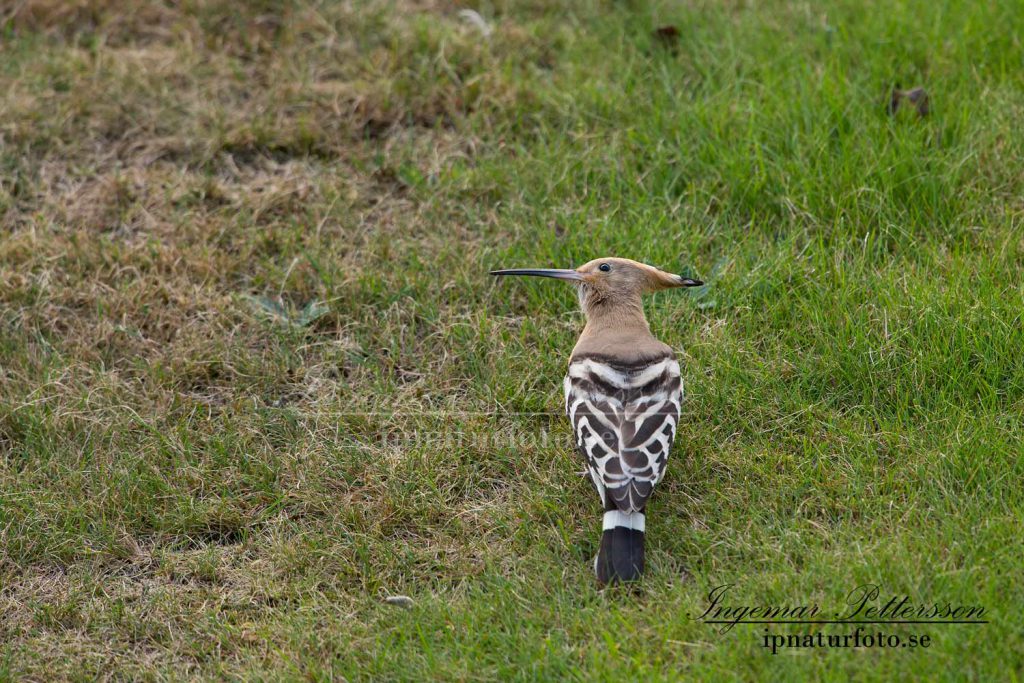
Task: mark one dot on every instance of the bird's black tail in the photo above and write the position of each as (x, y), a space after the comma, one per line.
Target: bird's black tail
(621, 557)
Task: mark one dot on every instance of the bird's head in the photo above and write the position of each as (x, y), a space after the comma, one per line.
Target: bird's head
(610, 281)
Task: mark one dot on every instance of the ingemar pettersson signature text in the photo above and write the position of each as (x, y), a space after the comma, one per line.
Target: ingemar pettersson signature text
(865, 604)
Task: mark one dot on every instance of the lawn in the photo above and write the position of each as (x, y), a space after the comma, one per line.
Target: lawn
(255, 378)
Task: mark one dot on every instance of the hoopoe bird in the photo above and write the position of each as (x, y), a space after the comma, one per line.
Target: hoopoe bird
(622, 394)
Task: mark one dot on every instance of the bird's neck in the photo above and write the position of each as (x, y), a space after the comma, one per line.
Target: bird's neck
(618, 329)
(606, 316)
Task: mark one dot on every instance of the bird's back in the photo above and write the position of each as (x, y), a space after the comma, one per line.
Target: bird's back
(624, 411)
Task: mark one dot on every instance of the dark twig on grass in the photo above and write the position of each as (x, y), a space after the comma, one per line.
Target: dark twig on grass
(916, 97)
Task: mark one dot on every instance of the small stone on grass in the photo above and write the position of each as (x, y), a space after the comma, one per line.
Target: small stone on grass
(399, 601)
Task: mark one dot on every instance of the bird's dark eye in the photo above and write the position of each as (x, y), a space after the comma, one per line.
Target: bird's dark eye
(604, 267)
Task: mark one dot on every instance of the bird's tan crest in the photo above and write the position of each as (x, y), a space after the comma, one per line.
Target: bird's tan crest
(625, 278)
(611, 278)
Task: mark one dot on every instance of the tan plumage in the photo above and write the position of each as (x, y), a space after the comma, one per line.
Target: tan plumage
(611, 301)
(623, 392)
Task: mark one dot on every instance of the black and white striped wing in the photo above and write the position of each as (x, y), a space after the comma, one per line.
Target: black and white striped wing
(624, 419)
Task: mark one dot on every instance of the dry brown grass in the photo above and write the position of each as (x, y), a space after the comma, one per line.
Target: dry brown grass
(163, 162)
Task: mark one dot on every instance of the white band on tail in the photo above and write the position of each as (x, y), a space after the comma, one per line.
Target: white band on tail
(629, 520)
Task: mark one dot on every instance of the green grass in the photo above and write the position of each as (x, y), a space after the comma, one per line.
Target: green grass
(205, 474)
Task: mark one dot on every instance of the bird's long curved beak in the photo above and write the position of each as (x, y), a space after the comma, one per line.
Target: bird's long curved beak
(558, 273)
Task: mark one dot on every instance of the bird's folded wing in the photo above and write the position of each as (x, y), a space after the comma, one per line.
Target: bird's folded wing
(624, 418)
